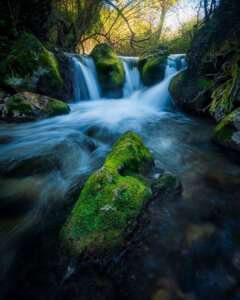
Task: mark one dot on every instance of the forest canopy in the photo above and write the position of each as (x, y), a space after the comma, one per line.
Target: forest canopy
(130, 26)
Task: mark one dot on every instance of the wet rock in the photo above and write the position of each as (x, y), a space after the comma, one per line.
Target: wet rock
(168, 290)
(110, 202)
(152, 68)
(167, 183)
(199, 233)
(28, 106)
(227, 132)
(110, 70)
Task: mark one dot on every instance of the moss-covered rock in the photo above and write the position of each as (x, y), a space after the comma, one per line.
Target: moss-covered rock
(110, 70)
(110, 202)
(29, 66)
(174, 87)
(28, 106)
(191, 93)
(152, 68)
(227, 132)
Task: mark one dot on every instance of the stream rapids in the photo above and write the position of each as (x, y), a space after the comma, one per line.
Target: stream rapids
(42, 162)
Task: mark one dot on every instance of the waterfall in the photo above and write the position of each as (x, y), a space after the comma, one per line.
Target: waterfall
(65, 148)
(86, 86)
(132, 75)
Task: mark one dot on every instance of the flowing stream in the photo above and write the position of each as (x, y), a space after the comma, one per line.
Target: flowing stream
(40, 162)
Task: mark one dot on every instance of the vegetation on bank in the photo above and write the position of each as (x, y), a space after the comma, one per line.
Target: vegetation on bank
(211, 85)
(29, 66)
(111, 200)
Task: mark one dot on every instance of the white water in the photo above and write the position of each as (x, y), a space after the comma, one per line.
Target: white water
(41, 161)
(132, 75)
(86, 85)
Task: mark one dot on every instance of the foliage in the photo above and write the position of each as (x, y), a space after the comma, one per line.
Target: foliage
(27, 62)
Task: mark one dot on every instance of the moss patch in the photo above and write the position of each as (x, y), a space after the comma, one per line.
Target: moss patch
(174, 87)
(110, 68)
(28, 62)
(152, 68)
(110, 202)
(225, 129)
(28, 106)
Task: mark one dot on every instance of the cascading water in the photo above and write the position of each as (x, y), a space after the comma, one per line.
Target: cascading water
(132, 74)
(86, 86)
(43, 160)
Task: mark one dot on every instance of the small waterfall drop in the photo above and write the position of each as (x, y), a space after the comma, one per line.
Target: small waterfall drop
(86, 86)
(132, 74)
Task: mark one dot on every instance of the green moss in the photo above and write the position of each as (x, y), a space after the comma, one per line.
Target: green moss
(152, 69)
(225, 129)
(204, 84)
(110, 68)
(57, 107)
(17, 103)
(27, 62)
(33, 106)
(175, 84)
(110, 202)
(224, 96)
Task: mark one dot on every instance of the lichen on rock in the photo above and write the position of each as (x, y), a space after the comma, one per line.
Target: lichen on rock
(110, 202)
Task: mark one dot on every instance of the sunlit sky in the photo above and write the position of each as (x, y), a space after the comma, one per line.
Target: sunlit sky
(184, 12)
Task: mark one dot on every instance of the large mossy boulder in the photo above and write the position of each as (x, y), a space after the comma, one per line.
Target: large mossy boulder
(29, 66)
(227, 132)
(28, 106)
(152, 68)
(110, 70)
(110, 202)
(192, 94)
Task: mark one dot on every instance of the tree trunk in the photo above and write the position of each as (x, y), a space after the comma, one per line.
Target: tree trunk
(161, 24)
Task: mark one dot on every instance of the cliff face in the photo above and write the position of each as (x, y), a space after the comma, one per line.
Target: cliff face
(211, 85)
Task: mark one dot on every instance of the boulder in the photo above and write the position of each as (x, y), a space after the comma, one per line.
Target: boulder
(152, 68)
(167, 183)
(227, 132)
(28, 106)
(29, 66)
(110, 70)
(110, 202)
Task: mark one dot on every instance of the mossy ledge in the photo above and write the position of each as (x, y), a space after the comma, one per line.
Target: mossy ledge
(110, 70)
(28, 106)
(29, 66)
(110, 202)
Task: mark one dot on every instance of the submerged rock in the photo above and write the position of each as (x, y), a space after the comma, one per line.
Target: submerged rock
(167, 183)
(28, 106)
(199, 233)
(152, 68)
(110, 70)
(110, 202)
(31, 67)
(227, 132)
